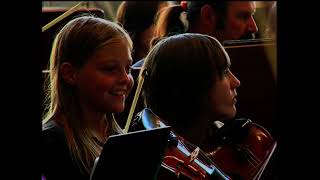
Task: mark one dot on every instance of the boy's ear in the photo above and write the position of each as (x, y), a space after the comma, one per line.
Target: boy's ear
(69, 73)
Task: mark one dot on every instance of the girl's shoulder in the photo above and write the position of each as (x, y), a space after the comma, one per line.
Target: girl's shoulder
(52, 134)
(57, 161)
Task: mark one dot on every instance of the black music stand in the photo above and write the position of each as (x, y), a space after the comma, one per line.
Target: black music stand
(135, 155)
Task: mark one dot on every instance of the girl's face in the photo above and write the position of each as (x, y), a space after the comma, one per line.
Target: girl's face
(105, 80)
(223, 95)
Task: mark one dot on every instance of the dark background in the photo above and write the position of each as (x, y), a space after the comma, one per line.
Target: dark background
(297, 92)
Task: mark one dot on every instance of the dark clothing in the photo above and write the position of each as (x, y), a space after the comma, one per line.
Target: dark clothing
(57, 163)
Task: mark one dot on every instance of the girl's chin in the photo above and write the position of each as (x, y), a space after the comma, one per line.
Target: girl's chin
(228, 115)
(118, 108)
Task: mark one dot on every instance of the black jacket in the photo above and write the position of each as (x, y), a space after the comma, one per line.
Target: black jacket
(56, 160)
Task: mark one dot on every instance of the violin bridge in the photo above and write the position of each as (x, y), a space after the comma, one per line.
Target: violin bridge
(194, 155)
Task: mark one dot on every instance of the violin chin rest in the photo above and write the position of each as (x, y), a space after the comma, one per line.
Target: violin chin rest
(150, 120)
(234, 131)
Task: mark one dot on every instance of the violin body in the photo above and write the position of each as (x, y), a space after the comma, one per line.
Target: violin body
(240, 149)
(181, 161)
(244, 149)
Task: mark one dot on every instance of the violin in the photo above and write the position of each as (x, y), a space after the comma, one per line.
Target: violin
(182, 159)
(242, 149)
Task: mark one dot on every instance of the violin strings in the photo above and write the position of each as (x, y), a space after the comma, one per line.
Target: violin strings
(202, 153)
(251, 158)
(255, 161)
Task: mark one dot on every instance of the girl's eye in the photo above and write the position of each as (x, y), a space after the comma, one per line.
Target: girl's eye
(109, 69)
(226, 72)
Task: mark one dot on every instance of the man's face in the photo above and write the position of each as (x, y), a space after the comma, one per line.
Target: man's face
(239, 21)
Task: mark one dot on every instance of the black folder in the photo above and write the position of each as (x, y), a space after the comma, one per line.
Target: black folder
(134, 155)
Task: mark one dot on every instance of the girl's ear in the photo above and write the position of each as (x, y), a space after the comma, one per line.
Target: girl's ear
(69, 73)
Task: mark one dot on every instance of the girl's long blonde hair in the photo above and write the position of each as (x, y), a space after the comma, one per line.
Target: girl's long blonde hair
(75, 43)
